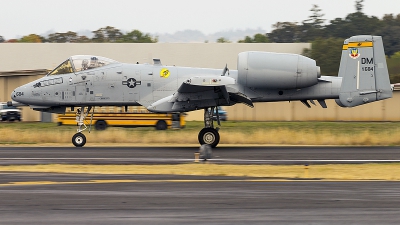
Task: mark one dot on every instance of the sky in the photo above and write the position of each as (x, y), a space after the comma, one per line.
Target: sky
(23, 17)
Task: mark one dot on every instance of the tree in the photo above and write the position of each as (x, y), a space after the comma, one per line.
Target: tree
(315, 20)
(136, 36)
(327, 53)
(246, 39)
(359, 5)
(83, 39)
(12, 41)
(391, 20)
(63, 37)
(99, 36)
(107, 34)
(223, 40)
(391, 39)
(2, 39)
(354, 23)
(32, 38)
(312, 27)
(284, 32)
(257, 38)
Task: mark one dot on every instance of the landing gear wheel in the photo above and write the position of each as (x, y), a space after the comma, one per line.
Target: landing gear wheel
(209, 136)
(79, 140)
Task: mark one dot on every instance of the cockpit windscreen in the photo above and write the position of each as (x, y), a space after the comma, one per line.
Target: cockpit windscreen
(63, 68)
(85, 62)
(79, 63)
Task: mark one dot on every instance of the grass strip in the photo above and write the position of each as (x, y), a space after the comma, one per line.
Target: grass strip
(286, 133)
(388, 171)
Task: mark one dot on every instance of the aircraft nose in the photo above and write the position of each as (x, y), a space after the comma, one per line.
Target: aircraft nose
(17, 94)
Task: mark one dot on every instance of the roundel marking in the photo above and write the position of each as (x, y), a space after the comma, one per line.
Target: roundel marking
(131, 82)
(164, 73)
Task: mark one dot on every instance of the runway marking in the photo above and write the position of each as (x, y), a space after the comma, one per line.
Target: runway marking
(28, 183)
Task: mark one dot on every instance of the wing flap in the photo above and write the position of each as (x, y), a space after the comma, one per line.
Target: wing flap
(201, 92)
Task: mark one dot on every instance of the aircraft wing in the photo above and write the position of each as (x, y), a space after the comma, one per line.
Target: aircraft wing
(201, 92)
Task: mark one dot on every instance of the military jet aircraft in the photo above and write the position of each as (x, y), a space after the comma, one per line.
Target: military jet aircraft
(87, 81)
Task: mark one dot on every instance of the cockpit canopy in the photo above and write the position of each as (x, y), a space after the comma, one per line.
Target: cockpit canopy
(79, 63)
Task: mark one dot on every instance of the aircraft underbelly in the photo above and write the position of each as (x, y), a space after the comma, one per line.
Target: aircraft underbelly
(322, 90)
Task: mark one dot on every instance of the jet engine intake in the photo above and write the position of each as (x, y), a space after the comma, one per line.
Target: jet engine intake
(276, 70)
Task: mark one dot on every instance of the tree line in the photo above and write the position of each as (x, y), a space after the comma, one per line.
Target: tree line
(103, 35)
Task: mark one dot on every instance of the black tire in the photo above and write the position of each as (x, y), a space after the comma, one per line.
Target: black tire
(59, 123)
(79, 140)
(100, 125)
(161, 125)
(209, 136)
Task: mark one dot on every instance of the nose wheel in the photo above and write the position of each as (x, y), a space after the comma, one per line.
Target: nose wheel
(79, 140)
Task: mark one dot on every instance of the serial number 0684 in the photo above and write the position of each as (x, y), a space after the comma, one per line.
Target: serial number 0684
(367, 68)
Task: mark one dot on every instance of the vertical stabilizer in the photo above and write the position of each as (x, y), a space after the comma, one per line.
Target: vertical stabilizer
(364, 71)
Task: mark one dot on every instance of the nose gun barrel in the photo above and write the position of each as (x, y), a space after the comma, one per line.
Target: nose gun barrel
(14, 103)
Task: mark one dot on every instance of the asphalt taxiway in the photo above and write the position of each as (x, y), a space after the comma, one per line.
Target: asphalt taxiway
(51, 198)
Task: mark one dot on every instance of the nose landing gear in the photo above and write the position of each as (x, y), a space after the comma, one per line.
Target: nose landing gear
(79, 139)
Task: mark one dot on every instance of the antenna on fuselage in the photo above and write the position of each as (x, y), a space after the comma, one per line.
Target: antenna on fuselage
(157, 62)
(225, 70)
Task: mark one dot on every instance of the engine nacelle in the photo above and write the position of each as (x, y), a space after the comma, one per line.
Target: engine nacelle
(276, 70)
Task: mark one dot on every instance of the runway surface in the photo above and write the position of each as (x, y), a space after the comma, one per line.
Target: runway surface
(49, 198)
(197, 202)
(170, 155)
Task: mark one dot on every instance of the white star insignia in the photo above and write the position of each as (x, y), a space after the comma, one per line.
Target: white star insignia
(131, 83)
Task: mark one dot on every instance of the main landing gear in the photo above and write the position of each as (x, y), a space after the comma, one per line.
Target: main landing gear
(209, 135)
(79, 139)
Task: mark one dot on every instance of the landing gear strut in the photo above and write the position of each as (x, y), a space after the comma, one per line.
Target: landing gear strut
(79, 139)
(209, 135)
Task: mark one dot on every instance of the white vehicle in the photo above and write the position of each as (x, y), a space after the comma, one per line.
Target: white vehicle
(9, 113)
